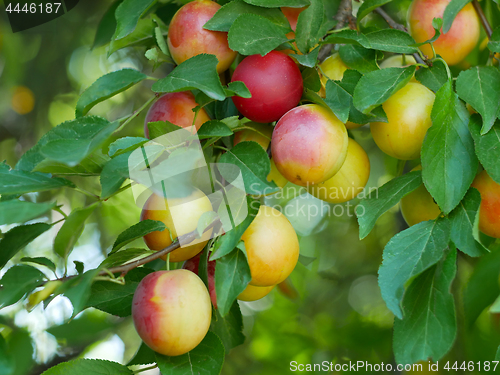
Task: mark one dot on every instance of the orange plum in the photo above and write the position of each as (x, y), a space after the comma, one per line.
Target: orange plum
(489, 213)
(187, 37)
(457, 43)
(254, 293)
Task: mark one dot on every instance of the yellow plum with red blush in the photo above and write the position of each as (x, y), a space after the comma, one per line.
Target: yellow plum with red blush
(489, 212)
(457, 43)
(193, 266)
(177, 108)
(187, 37)
(171, 311)
(180, 215)
(309, 144)
(254, 293)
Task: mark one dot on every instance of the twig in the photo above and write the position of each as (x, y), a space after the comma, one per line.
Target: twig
(482, 18)
(394, 25)
(344, 15)
(186, 238)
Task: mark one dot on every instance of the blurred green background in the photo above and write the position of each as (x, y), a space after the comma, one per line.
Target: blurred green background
(332, 309)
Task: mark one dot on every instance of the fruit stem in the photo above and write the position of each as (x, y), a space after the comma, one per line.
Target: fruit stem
(168, 262)
(482, 18)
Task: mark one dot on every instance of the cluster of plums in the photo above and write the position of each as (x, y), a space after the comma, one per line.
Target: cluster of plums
(310, 147)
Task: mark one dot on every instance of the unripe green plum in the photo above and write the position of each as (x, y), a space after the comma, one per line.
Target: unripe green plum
(177, 108)
(489, 212)
(419, 205)
(263, 139)
(398, 61)
(457, 43)
(180, 215)
(254, 293)
(309, 144)
(272, 247)
(171, 311)
(275, 82)
(187, 37)
(409, 116)
(349, 181)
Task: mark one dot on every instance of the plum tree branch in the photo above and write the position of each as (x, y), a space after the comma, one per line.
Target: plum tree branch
(344, 15)
(482, 18)
(395, 25)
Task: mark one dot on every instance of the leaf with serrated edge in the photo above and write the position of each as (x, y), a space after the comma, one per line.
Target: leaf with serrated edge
(408, 254)
(487, 146)
(430, 325)
(87, 367)
(449, 162)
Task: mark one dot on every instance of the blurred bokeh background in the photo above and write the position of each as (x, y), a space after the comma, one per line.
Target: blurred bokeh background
(331, 308)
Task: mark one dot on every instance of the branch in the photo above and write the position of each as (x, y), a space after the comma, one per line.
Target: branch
(482, 18)
(394, 25)
(344, 15)
(186, 238)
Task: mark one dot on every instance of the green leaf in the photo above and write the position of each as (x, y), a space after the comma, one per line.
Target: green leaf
(229, 328)
(338, 99)
(451, 11)
(433, 77)
(391, 40)
(348, 37)
(309, 24)
(478, 86)
(114, 174)
(494, 43)
(198, 72)
(309, 59)
(497, 356)
(87, 367)
(144, 356)
(79, 290)
(279, 3)
(15, 211)
(311, 79)
(251, 34)
(382, 199)
(21, 182)
(71, 230)
(254, 164)
(41, 261)
(17, 238)
(127, 15)
(225, 16)
(107, 26)
(204, 221)
(6, 361)
(463, 220)
(487, 146)
(159, 128)
(237, 88)
(232, 276)
(430, 325)
(116, 299)
(408, 254)
(206, 359)
(226, 243)
(122, 257)
(126, 144)
(136, 231)
(17, 282)
(21, 350)
(89, 128)
(449, 163)
(367, 7)
(143, 35)
(107, 86)
(79, 266)
(71, 150)
(359, 58)
(482, 288)
(376, 87)
(214, 128)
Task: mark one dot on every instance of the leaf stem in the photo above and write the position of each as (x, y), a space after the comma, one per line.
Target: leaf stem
(136, 113)
(145, 369)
